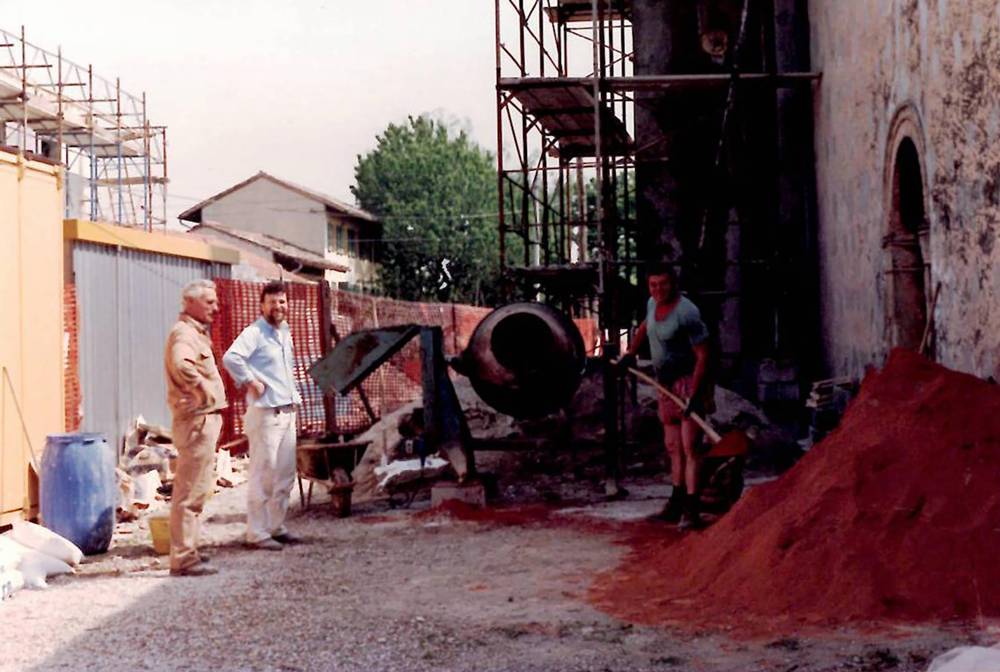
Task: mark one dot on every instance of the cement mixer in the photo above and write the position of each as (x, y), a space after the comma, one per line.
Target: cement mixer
(524, 359)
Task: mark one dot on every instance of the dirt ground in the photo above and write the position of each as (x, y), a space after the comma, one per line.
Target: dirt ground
(408, 590)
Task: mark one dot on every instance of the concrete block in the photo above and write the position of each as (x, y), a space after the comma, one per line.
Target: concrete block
(469, 493)
(782, 391)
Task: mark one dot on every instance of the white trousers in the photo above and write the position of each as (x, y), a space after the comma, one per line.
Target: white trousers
(272, 470)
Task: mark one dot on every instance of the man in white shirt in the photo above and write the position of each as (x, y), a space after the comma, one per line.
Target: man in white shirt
(261, 359)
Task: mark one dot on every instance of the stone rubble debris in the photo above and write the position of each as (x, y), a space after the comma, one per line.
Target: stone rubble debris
(581, 424)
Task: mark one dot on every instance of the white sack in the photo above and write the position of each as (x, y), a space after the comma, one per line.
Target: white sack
(968, 659)
(46, 541)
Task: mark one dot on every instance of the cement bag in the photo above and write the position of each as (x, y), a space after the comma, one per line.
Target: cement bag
(10, 553)
(46, 541)
(11, 581)
(968, 659)
(37, 567)
(34, 565)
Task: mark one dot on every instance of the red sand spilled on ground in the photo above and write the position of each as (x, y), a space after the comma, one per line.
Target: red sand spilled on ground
(535, 514)
(519, 515)
(894, 517)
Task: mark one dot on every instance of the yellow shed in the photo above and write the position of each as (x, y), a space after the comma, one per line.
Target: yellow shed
(31, 341)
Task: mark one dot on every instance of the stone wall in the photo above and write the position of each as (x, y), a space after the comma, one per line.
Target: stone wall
(927, 70)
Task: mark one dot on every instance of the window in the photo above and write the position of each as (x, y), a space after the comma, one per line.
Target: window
(352, 242)
(341, 242)
(909, 270)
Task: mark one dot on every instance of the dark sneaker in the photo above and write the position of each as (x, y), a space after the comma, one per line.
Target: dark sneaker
(265, 545)
(287, 538)
(195, 570)
(613, 490)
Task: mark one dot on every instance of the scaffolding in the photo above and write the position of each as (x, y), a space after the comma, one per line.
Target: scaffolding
(567, 94)
(115, 160)
(563, 137)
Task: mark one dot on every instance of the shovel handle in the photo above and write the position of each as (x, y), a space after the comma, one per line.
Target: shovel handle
(710, 432)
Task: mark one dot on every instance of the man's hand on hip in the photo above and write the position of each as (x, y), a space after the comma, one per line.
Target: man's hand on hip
(256, 389)
(187, 404)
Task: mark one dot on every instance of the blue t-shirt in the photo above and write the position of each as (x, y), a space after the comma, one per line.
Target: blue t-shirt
(671, 339)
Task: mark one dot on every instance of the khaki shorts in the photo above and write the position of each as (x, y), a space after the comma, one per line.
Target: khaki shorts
(671, 414)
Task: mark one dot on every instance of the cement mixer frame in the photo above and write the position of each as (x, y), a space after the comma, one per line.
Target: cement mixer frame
(524, 359)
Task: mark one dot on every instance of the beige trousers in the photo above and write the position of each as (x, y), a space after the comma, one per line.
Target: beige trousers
(194, 482)
(271, 437)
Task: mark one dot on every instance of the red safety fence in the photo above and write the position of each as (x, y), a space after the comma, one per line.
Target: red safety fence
(239, 303)
(71, 360)
(395, 383)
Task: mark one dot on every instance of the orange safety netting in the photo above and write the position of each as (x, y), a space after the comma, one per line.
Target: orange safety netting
(395, 383)
(239, 303)
(71, 359)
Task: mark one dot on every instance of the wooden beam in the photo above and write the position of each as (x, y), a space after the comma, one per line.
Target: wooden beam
(131, 181)
(647, 82)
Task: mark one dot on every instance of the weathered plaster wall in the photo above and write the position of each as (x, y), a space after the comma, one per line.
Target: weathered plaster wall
(939, 61)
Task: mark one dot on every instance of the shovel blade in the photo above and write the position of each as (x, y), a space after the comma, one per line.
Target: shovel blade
(733, 444)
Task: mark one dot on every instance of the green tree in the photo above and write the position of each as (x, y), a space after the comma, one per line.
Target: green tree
(435, 191)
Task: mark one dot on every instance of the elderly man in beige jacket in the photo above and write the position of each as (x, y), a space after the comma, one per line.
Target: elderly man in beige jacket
(196, 397)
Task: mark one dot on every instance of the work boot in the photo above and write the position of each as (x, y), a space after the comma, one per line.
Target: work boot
(691, 518)
(671, 513)
(195, 570)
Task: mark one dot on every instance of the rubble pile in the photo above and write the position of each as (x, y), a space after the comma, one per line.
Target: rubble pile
(581, 424)
(146, 471)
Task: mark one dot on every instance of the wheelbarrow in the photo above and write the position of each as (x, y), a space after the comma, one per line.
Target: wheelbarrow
(329, 463)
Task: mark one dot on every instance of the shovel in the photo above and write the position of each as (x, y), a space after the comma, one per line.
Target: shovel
(733, 444)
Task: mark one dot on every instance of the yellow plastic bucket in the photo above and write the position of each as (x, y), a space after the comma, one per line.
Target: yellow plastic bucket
(159, 529)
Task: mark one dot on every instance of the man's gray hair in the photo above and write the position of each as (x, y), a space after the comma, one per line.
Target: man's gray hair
(195, 289)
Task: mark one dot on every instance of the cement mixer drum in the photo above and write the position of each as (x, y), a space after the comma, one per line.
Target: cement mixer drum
(525, 360)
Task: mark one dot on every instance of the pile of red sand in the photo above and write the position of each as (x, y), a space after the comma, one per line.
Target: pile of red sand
(894, 517)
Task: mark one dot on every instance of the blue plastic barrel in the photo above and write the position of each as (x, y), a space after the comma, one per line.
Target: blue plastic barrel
(77, 489)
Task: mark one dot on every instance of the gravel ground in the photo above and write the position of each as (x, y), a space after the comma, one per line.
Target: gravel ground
(386, 590)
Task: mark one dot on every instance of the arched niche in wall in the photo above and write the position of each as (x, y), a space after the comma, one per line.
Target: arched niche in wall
(906, 253)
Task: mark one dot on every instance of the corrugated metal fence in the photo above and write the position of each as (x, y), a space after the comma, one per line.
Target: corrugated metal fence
(127, 301)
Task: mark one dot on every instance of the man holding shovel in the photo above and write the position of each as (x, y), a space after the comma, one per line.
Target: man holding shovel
(678, 345)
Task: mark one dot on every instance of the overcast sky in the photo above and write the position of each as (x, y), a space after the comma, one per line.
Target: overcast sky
(297, 88)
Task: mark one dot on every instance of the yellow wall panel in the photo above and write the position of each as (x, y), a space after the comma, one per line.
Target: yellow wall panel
(31, 291)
